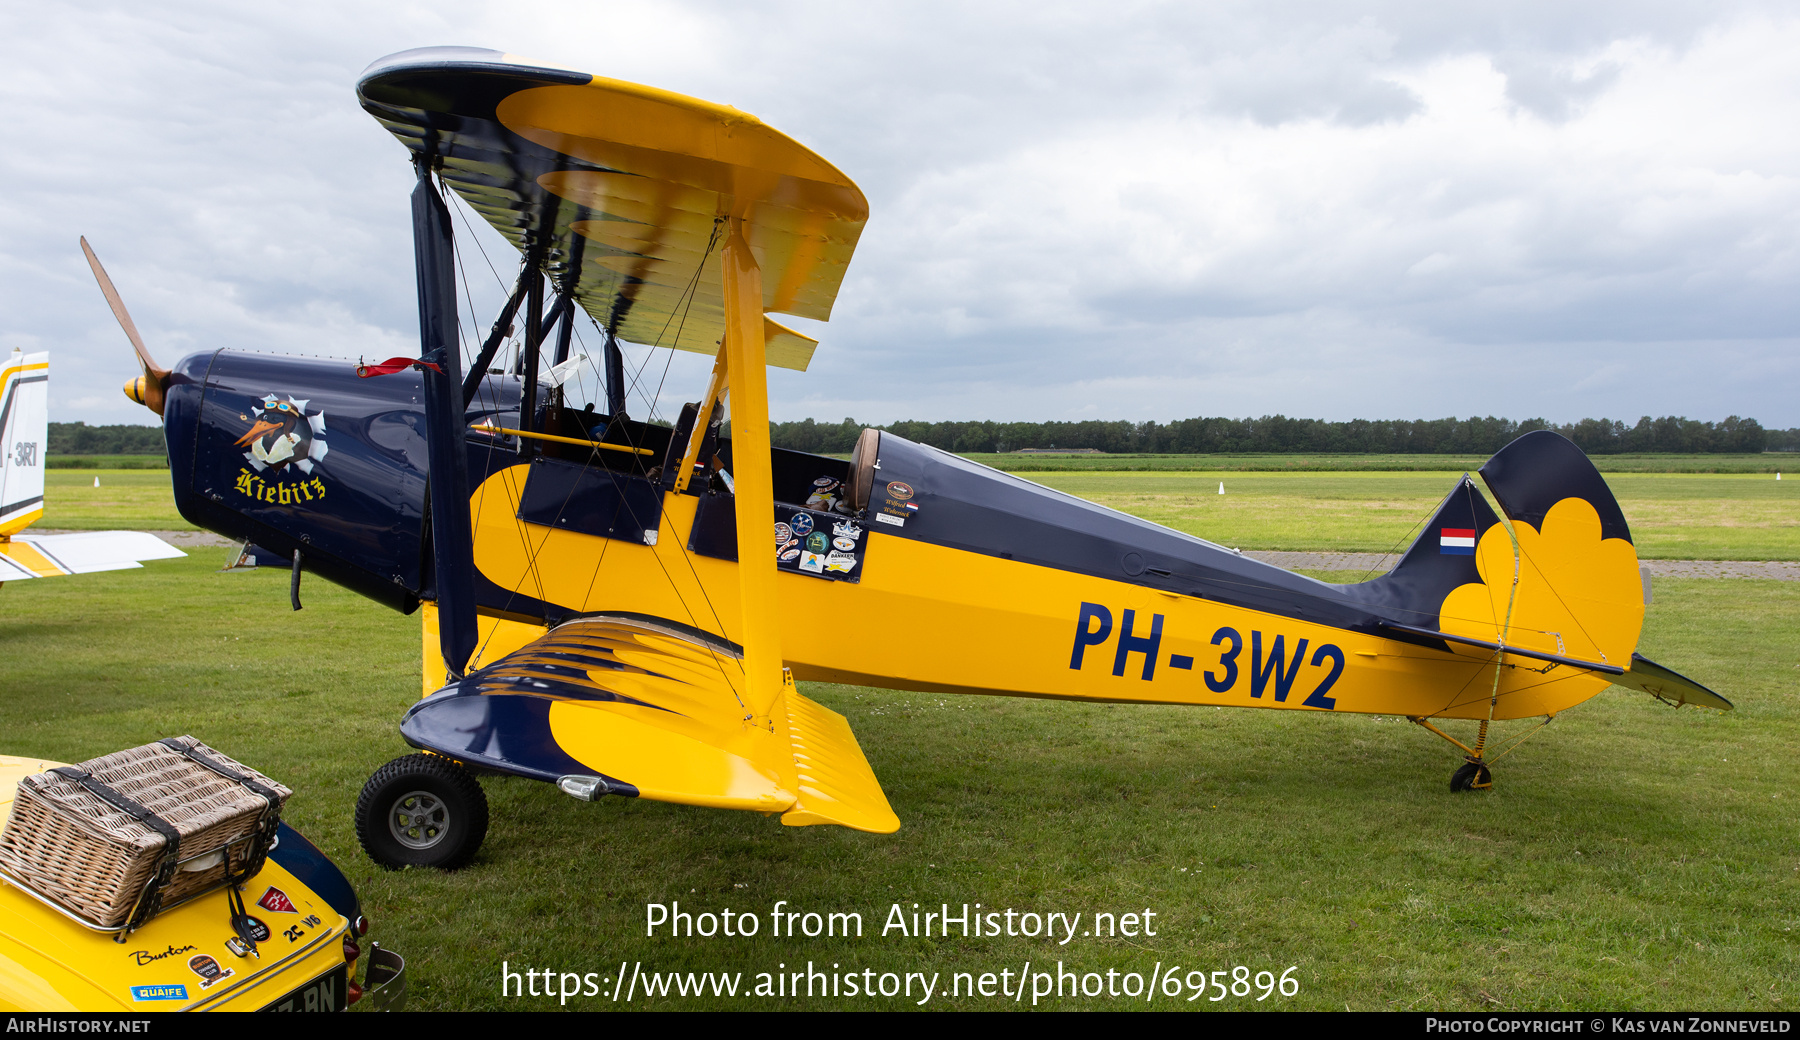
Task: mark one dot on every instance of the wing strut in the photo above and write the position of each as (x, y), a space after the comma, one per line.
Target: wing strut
(615, 377)
(564, 333)
(702, 420)
(755, 483)
(502, 327)
(452, 547)
(534, 345)
(813, 753)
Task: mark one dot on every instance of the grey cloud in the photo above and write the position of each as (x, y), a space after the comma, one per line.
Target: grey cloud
(1553, 90)
(1060, 224)
(1353, 96)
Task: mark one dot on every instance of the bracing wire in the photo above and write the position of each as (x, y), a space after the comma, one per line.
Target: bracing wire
(476, 239)
(481, 491)
(1403, 539)
(533, 552)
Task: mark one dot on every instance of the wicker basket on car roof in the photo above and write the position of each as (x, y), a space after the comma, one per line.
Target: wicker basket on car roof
(76, 848)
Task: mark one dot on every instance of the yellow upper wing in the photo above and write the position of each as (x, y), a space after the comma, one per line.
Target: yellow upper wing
(618, 190)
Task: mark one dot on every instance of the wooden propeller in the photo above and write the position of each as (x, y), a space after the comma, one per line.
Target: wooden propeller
(148, 388)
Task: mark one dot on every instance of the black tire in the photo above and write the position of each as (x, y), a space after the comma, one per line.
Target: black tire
(421, 811)
(1470, 777)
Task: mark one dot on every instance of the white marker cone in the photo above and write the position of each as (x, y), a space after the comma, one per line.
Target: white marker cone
(1221, 487)
(97, 481)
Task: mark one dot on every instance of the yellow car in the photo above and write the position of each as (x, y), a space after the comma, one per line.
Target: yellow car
(187, 957)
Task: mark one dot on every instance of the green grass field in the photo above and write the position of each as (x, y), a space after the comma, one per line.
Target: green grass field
(1631, 856)
(106, 462)
(1673, 516)
(133, 499)
(1767, 462)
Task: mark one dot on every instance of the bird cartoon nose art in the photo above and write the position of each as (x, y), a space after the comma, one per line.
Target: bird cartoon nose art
(284, 435)
(285, 442)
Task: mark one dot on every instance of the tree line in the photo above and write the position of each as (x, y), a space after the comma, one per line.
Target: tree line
(78, 438)
(1279, 434)
(1272, 434)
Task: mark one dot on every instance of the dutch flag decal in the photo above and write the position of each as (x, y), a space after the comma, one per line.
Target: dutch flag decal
(1457, 541)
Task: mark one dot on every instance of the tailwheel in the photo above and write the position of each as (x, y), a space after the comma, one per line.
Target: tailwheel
(1472, 776)
(421, 811)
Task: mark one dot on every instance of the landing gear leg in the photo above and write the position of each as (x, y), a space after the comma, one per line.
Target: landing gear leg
(1474, 774)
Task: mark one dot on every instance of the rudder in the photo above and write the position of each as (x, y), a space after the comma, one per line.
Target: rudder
(1578, 592)
(24, 426)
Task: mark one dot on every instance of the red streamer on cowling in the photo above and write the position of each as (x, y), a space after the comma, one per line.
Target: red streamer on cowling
(392, 365)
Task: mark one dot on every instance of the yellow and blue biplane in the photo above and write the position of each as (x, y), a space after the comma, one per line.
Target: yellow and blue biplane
(590, 616)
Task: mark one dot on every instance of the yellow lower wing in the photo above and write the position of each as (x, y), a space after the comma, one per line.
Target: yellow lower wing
(656, 709)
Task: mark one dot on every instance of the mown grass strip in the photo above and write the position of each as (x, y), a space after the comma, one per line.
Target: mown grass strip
(1673, 516)
(1766, 462)
(106, 462)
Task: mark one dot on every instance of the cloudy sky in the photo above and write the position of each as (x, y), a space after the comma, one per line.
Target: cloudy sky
(1120, 210)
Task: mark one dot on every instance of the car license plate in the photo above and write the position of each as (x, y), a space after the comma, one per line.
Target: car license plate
(328, 992)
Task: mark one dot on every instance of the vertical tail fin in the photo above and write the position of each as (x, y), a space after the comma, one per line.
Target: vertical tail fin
(1541, 470)
(24, 428)
(1441, 560)
(1579, 592)
(1563, 580)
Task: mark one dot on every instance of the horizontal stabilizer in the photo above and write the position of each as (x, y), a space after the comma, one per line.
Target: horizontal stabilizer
(1668, 685)
(49, 555)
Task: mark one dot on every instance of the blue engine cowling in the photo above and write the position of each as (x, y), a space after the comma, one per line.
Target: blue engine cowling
(298, 453)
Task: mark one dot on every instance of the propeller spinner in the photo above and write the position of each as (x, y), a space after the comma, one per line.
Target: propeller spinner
(148, 388)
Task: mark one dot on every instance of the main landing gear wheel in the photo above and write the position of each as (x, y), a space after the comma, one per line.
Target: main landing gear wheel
(421, 811)
(1473, 776)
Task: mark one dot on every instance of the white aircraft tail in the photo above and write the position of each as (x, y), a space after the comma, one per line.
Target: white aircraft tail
(24, 428)
(24, 431)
